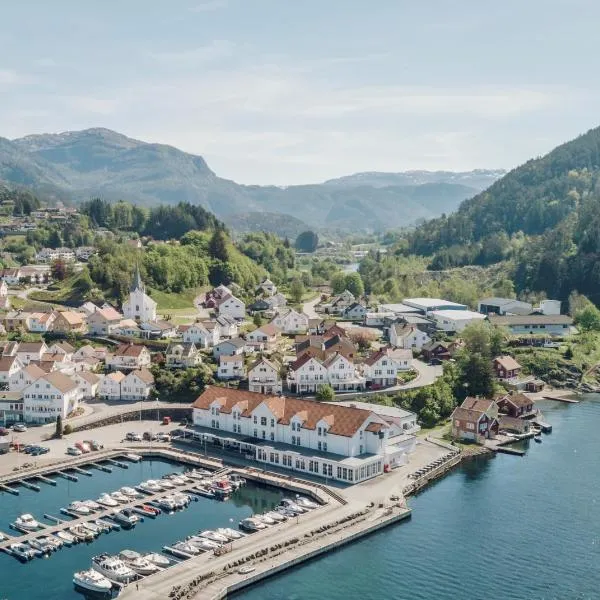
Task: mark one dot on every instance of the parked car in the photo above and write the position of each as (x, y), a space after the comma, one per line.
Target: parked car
(149, 436)
(39, 450)
(4, 431)
(94, 444)
(29, 448)
(19, 427)
(163, 437)
(133, 437)
(83, 446)
(74, 451)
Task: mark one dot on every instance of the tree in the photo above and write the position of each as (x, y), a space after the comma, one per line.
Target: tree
(354, 284)
(55, 240)
(59, 427)
(68, 428)
(588, 319)
(296, 290)
(307, 241)
(325, 393)
(58, 269)
(338, 283)
(257, 319)
(217, 247)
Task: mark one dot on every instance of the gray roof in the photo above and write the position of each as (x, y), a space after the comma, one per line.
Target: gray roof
(507, 320)
(237, 342)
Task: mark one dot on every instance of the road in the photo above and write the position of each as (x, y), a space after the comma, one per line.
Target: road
(309, 308)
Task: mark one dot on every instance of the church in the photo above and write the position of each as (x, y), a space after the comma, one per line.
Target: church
(139, 306)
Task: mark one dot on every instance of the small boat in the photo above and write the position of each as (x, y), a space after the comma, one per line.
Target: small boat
(125, 517)
(251, 525)
(286, 512)
(92, 581)
(291, 505)
(222, 487)
(133, 457)
(26, 522)
(147, 510)
(276, 516)
(266, 519)
(119, 497)
(103, 526)
(181, 498)
(79, 507)
(68, 539)
(106, 500)
(306, 503)
(92, 528)
(236, 480)
(113, 568)
(158, 559)
(134, 560)
(246, 570)
(202, 544)
(167, 503)
(43, 546)
(537, 439)
(175, 479)
(91, 505)
(150, 487)
(82, 534)
(214, 536)
(22, 551)
(232, 534)
(203, 491)
(129, 492)
(53, 541)
(165, 484)
(186, 548)
(198, 473)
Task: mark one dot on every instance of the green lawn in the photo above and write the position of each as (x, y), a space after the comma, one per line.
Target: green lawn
(169, 301)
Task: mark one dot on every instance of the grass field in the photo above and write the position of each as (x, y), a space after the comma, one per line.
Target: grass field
(183, 300)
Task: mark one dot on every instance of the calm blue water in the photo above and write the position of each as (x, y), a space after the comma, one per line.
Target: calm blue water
(504, 528)
(50, 579)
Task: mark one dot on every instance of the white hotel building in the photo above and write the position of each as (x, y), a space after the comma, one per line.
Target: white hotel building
(330, 440)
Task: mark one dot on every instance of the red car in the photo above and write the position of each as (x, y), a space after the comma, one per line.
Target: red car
(4, 431)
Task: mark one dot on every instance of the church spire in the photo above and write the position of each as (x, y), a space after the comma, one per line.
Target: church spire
(137, 283)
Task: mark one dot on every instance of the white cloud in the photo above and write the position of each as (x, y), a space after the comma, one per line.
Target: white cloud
(209, 5)
(11, 77)
(191, 57)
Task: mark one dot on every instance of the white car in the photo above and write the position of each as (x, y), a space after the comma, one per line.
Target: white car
(74, 451)
(19, 427)
(133, 437)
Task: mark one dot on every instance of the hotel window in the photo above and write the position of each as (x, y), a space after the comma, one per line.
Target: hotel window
(212, 423)
(324, 446)
(255, 420)
(264, 435)
(272, 436)
(339, 472)
(298, 441)
(263, 421)
(293, 440)
(272, 422)
(255, 433)
(319, 445)
(361, 449)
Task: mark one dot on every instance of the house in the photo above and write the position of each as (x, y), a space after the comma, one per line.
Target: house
(88, 351)
(454, 321)
(342, 375)
(15, 320)
(322, 346)
(10, 349)
(84, 253)
(214, 296)
(231, 347)
(403, 335)
(228, 326)
(264, 377)
(381, 368)
(258, 306)
(110, 386)
(11, 408)
(231, 306)
(11, 276)
(41, 322)
(55, 394)
(231, 367)
(472, 424)
(139, 306)
(306, 374)
(263, 338)
(137, 385)
(440, 350)
(276, 301)
(4, 298)
(549, 325)
(338, 304)
(129, 357)
(400, 421)
(267, 287)
(158, 329)
(290, 321)
(302, 436)
(63, 348)
(31, 351)
(489, 407)
(182, 356)
(516, 405)
(69, 322)
(88, 383)
(104, 321)
(425, 306)
(355, 312)
(24, 377)
(506, 367)
(204, 334)
(504, 306)
(88, 308)
(127, 328)
(9, 367)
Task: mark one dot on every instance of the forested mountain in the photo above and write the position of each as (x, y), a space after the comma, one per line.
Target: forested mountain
(98, 162)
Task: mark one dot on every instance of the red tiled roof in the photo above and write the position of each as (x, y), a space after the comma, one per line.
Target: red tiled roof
(480, 404)
(129, 350)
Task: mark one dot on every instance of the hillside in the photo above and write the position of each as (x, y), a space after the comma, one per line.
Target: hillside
(98, 162)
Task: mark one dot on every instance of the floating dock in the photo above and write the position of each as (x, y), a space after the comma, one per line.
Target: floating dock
(82, 471)
(101, 467)
(117, 463)
(67, 476)
(561, 399)
(29, 485)
(46, 480)
(9, 490)
(508, 450)
(545, 427)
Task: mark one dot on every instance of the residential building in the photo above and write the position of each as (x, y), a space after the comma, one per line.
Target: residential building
(62, 347)
(338, 304)
(264, 377)
(4, 297)
(182, 356)
(110, 386)
(549, 307)
(323, 346)
(472, 424)
(88, 383)
(41, 322)
(550, 325)
(355, 312)
(400, 421)
(11, 276)
(139, 306)
(24, 377)
(306, 374)
(158, 329)
(55, 394)
(104, 321)
(128, 357)
(504, 306)
(516, 405)
(228, 326)
(214, 296)
(231, 367)
(264, 337)
(11, 408)
(84, 253)
(454, 320)
(31, 351)
(403, 335)
(381, 368)
(342, 375)
(204, 334)
(128, 328)
(330, 440)
(16, 320)
(267, 287)
(231, 306)
(69, 322)
(9, 367)
(506, 367)
(88, 351)
(231, 347)
(290, 321)
(137, 385)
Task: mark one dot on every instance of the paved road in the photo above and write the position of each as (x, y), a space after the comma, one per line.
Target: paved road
(309, 308)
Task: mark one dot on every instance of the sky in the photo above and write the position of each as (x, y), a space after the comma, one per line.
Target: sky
(299, 91)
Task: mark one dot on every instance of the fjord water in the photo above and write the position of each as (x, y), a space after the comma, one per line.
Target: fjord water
(51, 578)
(508, 528)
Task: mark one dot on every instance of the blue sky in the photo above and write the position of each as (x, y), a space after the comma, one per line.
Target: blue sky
(298, 91)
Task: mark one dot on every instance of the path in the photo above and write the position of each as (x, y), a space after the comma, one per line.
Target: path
(309, 308)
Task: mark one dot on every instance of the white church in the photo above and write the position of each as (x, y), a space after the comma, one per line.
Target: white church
(139, 306)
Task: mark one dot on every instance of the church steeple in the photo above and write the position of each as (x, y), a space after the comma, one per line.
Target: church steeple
(137, 283)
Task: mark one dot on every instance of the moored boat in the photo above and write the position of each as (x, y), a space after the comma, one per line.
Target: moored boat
(202, 544)
(125, 518)
(22, 551)
(68, 539)
(92, 581)
(129, 492)
(251, 525)
(106, 500)
(214, 536)
(113, 568)
(157, 559)
(79, 507)
(26, 522)
(134, 560)
(91, 504)
(150, 487)
(306, 503)
(120, 497)
(276, 516)
(232, 534)
(81, 533)
(92, 528)
(186, 547)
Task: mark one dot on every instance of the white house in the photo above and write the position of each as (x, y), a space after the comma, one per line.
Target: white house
(137, 385)
(229, 347)
(231, 367)
(182, 356)
(128, 357)
(24, 377)
(306, 374)
(231, 306)
(29, 351)
(264, 377)
(228, 326)
(290, 321)
(104, 321)
(63, 348)
(267, 287)
(203, 334)
(88, 383)
(40, 322)
(264, 337)
(381, 368)
(158, 329)
(139, 306)
(49, 396)
(355, 312)
(9, 367)
(318, 438)
(110, 386)
(128, 328)
(342, 374)
(455, 320)
(407, 336)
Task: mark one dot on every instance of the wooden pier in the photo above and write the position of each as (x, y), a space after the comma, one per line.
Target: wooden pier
(561, 399)
(508, 450)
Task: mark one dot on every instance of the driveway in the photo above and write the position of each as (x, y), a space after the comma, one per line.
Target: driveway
(309, 308)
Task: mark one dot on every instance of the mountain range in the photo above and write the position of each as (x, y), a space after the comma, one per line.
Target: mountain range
(77, 165)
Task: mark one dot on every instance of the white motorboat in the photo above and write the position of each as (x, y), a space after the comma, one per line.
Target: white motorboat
(158, 559)
(202, 544)
(306, 503)
(113, 568)
(68, 539)
(103, 526)
(167, 503)
(214, 536)
(129, 492)
(251, 525)
(174, 479)
(186, 547)
(135, 561)
(198, 474)
(232, 534)
(106, 500)
(91, 505)
(42, 545)
(286, 512)
(292, 506)
(26, 522)
(181, 498)
(22, 551)
(165, 484)
(151, 486)
(276, 516)
(82, 534)
(236, 480)
(266, 519)
(119, 497)
(79, 507)
(93, 581)
(92, 528)
(133, 457)
(54, 542)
